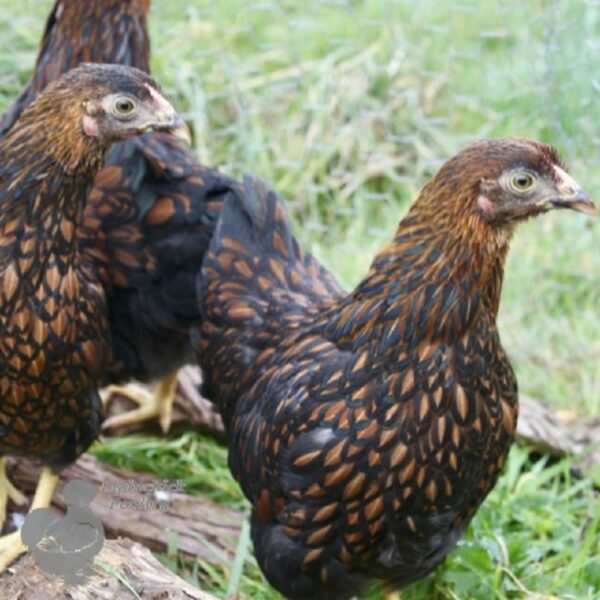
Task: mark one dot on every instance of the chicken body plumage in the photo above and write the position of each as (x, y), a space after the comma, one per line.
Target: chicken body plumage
(147, 225)
(53, 314)
(53, 310)
(364, 428)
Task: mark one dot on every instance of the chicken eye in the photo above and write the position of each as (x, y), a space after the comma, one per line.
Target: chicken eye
(124, 106)
(522, 181)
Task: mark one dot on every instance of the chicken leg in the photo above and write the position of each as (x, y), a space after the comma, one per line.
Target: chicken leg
(11, 545)
(158, 404)
(7, 490)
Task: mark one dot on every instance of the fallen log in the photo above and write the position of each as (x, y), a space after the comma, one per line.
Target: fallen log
(135, 505)
(123, 569)
(559, 433)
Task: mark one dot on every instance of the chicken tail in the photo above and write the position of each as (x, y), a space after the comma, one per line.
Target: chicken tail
(255, 269)
(255, 283)
(254, 226)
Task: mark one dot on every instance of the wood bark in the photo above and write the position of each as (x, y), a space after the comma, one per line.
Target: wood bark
(140, 576)
(159, 520)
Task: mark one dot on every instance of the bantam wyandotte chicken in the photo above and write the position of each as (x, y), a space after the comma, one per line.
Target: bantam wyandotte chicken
(54, 326)
(367, 428)
(149, 217)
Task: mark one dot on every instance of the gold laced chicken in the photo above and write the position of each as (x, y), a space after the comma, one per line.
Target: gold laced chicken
(366, 428)
(54, 326)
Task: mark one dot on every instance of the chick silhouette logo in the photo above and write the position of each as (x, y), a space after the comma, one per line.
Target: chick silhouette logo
(65, 546)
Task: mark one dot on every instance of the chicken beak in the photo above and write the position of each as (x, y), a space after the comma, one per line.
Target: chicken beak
(579, 201)
(571, 195)
(178, 128)
(168, 118)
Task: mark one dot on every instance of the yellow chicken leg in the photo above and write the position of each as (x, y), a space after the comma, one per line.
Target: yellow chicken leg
(159, 404)
(7, 490)
(11, 545)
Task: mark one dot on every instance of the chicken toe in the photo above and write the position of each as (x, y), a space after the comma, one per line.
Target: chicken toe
(158, 404)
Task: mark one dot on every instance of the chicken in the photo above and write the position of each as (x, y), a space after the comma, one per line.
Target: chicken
(367, 428)
(149, 217)
(54, 326)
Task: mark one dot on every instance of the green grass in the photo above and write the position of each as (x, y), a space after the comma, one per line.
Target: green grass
(538, 531)
(347, 107)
